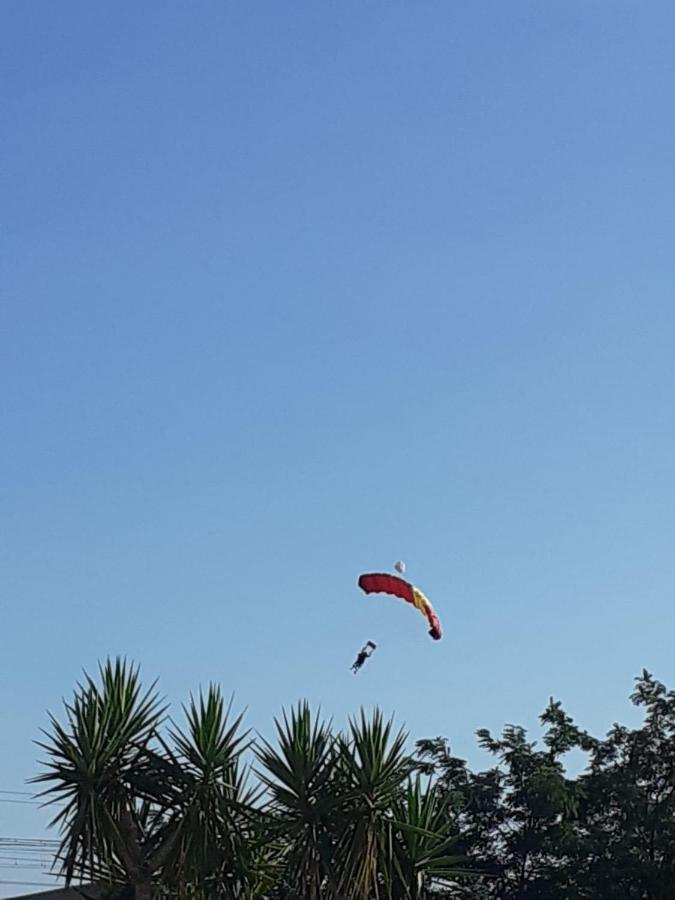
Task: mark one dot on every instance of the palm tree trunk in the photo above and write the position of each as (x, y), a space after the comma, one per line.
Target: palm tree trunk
(143, 890)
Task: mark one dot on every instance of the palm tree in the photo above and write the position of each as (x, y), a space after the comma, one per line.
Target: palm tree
(422, 835)
(303, 802)
(111, 822)
(221, 847)
(331, 817)
(137, 811)
(374, 765)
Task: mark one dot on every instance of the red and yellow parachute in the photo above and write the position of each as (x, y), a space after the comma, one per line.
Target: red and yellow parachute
(383, 583)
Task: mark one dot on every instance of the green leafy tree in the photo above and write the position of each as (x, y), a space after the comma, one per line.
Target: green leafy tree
(626, 824)
(534, 832)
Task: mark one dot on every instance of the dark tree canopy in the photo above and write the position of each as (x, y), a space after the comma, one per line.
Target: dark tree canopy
(608, 833)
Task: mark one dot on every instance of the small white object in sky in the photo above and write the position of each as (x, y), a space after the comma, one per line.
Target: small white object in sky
(400, 567)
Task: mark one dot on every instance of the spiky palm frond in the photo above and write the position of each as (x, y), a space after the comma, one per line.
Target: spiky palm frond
(213, 812)
(422, 834)
(374, 764)
(91, 760)
(298, 777)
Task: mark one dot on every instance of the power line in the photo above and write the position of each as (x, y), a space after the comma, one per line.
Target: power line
(17, 859)
(25, 867)
(33, 847)
(29, 842)
(22, 802)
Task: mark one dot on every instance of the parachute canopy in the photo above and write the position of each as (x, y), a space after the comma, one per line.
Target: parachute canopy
(383, 583)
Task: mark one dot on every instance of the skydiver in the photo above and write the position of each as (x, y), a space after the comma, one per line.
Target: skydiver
(364, 653)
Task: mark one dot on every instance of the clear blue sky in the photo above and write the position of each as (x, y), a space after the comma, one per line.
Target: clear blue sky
(292, 290)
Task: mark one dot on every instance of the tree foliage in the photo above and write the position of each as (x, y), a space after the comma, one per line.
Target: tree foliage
(174, 812)
(207, 811)
(537, 834)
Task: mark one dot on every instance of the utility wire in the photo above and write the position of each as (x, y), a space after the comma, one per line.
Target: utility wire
(27, 843)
